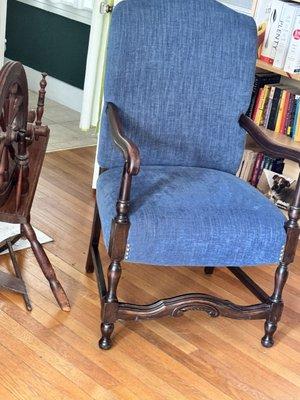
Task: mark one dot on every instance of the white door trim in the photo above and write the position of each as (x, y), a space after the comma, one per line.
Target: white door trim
(3, 9)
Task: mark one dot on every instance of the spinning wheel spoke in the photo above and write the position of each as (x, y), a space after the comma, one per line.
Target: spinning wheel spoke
(14, 110)
(19, 187)
(4, 165)
(2, 122)
(12, 151)
(5, 113)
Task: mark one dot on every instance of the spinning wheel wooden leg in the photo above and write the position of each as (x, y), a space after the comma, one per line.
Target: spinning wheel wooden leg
(46, 267)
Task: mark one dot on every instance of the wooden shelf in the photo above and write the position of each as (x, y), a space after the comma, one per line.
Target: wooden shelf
(269, 67)
(283, 140)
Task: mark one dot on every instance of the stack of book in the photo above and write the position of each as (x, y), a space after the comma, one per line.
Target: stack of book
(253, 163)
(278, 24)
(275, 106)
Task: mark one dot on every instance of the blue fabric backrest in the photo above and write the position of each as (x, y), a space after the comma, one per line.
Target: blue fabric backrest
(181, 73)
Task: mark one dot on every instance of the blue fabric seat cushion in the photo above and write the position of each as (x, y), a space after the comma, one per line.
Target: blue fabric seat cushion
(190, 216)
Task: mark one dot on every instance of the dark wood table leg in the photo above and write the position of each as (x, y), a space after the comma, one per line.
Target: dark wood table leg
(46, 267)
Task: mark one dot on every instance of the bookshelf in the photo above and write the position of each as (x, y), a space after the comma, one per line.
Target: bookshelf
(295, 78)
(269, 67)
(282, 140)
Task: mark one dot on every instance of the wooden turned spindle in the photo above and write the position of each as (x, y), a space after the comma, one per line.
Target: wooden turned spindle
(41, 100)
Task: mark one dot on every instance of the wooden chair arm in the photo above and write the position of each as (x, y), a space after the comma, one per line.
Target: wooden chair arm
(128, 147)
(267, 143)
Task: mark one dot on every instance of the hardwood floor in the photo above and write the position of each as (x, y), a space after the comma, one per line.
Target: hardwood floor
(48, 354)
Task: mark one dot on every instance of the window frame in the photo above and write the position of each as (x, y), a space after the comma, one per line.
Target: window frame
(83, 16)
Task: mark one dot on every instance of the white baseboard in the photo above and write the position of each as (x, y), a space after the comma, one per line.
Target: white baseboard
(59, 91)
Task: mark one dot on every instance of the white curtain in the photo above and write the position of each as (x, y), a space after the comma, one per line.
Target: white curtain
(95, 67)
(81, 4)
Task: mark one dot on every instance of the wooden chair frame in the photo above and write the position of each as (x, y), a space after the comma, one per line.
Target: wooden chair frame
(269, 308)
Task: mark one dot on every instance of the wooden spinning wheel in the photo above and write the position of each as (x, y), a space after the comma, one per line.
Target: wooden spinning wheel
(23, 143)
(13, 119)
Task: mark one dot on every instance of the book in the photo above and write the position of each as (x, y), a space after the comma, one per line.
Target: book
(257, 103)
(261, 79)
(261, 17)
(261, 104)
(280, 111)
(267, 162)
(249, 160)
(292, 63)
(269, 106)
(273, 32)
(288, 114)
(278, 165)
(273, 114)
(286, 102)
(296, 127)
(288, 16)
(291, 123)
(256, 169)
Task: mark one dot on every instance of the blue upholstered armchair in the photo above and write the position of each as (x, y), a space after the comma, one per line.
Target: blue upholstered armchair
(179, 78)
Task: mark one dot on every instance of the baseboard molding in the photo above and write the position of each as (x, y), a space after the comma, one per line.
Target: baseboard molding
(59, 91)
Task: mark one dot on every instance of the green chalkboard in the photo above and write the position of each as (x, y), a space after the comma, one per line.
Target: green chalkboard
(47, 42)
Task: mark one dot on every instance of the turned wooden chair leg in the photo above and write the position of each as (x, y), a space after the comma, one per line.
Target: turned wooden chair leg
(110, 306)
(281, 275)
(94, 242)
(209, 270)
(46, 267)
(277, 305)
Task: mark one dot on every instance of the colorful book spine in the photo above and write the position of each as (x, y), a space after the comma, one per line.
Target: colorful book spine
(291, 124)
(258, 100)
(284, 113)
(280, 111)
(296, 127)
(256, 169)
(261, 105)
(288, 114)
(269, 106)
(273, 114)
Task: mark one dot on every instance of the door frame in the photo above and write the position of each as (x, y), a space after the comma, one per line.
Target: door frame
(3, 10)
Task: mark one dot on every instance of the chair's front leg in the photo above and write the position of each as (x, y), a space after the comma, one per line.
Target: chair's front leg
(277, 305)
(117, 249)
(110, 306)
(209, 270)
(292, 229)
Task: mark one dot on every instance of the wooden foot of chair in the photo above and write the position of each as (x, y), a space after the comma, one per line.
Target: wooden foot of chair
(209, 270)
(270, 328)
(105, 341)
(276, 305)
(46, 267)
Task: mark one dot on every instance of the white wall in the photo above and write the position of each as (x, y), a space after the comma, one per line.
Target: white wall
(243, 6)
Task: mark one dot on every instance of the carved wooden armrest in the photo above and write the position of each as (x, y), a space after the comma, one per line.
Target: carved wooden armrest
(267, 143)
(129, 149)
